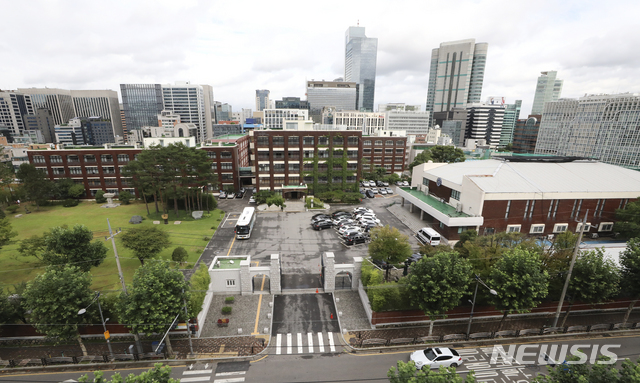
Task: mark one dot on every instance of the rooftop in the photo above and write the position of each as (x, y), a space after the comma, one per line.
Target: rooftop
(436, 203)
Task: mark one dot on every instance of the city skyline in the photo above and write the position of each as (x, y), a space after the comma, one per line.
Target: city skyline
(590, 45)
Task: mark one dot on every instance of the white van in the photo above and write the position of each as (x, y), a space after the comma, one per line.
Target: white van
(428, 236)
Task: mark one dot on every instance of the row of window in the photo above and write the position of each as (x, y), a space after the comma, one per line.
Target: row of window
(387, 151)
(558, 227)
(306, 140)
(307, 167)
(56, 159)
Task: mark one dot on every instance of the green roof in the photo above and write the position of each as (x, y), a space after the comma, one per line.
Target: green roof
(434, 202)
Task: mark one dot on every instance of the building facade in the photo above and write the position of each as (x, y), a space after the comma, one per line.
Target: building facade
(275, 118)
(511, 115)
(367, 122)
(292, 103)
(541, 197)
(410, 121)
(603, 127)
(141, 104)
(456, 75)
(193, 103)
(262, 100)
(525, 135)
(13, 108)
(548, 89)
(338, 94)
(484, 122)
(58, 101)
(360, 56)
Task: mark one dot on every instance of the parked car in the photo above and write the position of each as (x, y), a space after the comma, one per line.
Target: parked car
(389, 191)
(240, 194)
(405, 183)
(362, 208)
(320, 215)
(254, 191)
(222, 195)
(347, 228)
(436, 357)
(252, 199)
(363, 195)
(231, 196)
(321, 225)
(383, 191)
(379, 183)
(381, 264)
(413, 258)
(355, 239)
(322, 218)
(370, 194)
(399, 183)
(385, 184)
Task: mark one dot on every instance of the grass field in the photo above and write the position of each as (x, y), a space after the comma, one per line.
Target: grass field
(190, 234)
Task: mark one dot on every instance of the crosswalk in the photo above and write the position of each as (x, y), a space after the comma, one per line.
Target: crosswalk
(205, 375)
(301, 343)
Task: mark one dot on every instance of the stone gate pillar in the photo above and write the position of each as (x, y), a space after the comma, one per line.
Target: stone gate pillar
(357, 271)
(275, 274)
(328, 260)
(245, 278)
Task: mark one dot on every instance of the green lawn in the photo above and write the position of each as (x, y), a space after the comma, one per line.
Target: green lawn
(189, 234)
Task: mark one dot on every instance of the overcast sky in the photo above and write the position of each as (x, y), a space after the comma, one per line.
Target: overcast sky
(240, 46)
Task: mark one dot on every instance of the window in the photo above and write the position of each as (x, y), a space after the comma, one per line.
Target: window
(308, 154)
(295, 167)
(606, 226)
(108, 170)
(338, 140)
(307, 140)
(425, 181)
(338, 153)
(399, 151)
(75, 170)
(455, 194)
(212, 155)
(377, 151)
(55, 159)
(506, 213)
(58, 171)
(378, 142)
(388, 151)
(263, 167)
(366, 143)
(231, 282)
(352, 141)
(262, 141)
(278, 168)
(537, 229)
(560, 227)
(227, 177)
(106, 158)
(92, 169)
(38, 159)
(294, 140)
(323, 140)
(377, 159)
(226, 165)
(73, 158)
(366, 151)
(308, 179)
(278, 140)
(389, 143)
(352, 153)
(123, 158)
(89, 158)
(308, 167)
(214, 166)
(513, 228)
(225, 155)
(586, 228)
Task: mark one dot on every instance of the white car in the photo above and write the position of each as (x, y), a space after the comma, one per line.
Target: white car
(436, 357)
(383, 191)
(223, 195)
(347, 228)
(374, 190)
(252, 199)
(362, 209)
(405, 183)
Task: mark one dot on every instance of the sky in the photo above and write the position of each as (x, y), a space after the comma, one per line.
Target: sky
(240, 46)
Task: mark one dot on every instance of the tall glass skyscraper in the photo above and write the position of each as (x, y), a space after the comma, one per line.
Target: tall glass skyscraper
(141, 104)
(262, 100)
(456, 75)
(548, 89)
(360, 55)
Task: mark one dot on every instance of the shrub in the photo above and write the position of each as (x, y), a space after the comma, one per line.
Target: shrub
(199, 284)
(70, 202)
(12, 208)
(100, 197)
(229, 300)
(226, 310)
(179, 255)
(125, 197)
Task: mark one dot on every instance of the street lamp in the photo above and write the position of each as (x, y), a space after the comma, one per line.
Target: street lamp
(104, 325)
(473, 303)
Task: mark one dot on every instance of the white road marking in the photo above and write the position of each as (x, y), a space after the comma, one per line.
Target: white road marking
(232, 380)
(196, 372)
(331, 345)
(289, 347)
(278, 343)
(196, 379)
(320, 342)
(310, 341)
(300, 343)
(231, 373)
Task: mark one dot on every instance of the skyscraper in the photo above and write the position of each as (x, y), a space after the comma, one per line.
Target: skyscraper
(360, 54)
(511, 115)
(141, 104)
(193, 103)
(548, 89)
(456, 75)
(262, 99)
(338, 94)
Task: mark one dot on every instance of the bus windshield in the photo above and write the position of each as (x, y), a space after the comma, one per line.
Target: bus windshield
(242, 229)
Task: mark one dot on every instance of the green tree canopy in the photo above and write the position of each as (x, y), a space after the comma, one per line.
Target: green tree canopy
(405, 372)
(519, 280)
(630, 261)
(594, 279)
(155, 299)
(421, 158)
(62, 245)
(158, 374)
(389, 245)
(55, 298)
(593, 373)
(179, 255)
(145, 241)
(6, 232)
(628, 220)
(35, 184)
(448, 154)
(436, 284)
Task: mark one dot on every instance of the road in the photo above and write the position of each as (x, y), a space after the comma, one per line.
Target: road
(365, 367)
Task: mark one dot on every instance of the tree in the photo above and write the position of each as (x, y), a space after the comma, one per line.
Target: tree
(436, 284)
(155, 299)
(100, 196)
(158, 374)
(630, 261)
(594, 279)
(54, 299)
(76, 191)
(62, 246)
(520, 282)
(597, 373)
(389, 245)
(262, 196)
(6, 309)
(276, 199)
(36, 186)
(7, 176)
(557, 258)
(628, 220)
(467, 235)
(447, 154)
(406, 372)
(125, 197)
(33, 246)
(421, 158)
(179, 255)
(145, 242)
(6, 232)
(61, 187)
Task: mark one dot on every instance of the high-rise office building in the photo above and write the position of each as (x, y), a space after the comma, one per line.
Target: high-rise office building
(42, 120)
(292, 103)
(58, 101)
(193, 103)
(12, 111)
(456, 75)
(596, 126)
(484, 122)
(262, 99)
(525, 135)
(339, 94)
(141, 104)
(360, 55)
(511, 115)
(548, 89)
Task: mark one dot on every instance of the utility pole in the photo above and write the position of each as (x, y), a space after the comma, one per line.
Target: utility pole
(115, 252)
(184, 300)
(573, 261)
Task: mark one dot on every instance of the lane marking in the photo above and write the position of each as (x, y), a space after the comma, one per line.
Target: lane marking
(289, 347)
(278, 343)
(232, 380)
(257, 360)
(197, 379)
(196, 372)
(320, 342)
(331, 345)
(255, 328)
(310, 341)
(231, 373)
(232, 242)
(300, 343)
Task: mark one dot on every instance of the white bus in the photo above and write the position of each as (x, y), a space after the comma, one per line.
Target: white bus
(427, 235)
(245, 223)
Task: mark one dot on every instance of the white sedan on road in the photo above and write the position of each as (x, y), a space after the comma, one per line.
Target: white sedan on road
(436, 357)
